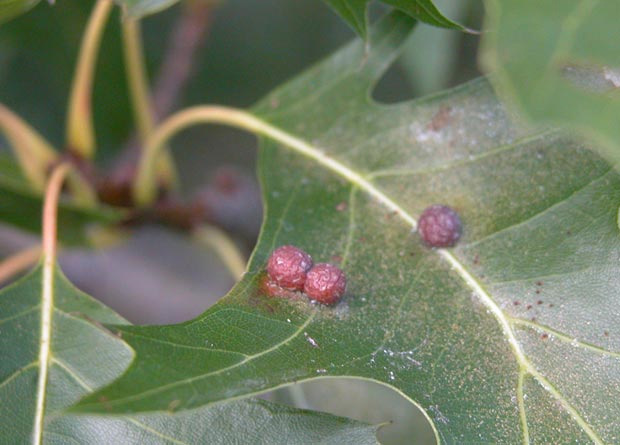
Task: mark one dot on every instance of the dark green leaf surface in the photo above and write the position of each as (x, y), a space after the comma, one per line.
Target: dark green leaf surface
(82, 356)
(508, 337)
(538, 52)
(20, 206)
(12, 8)
(85, 356)
(354, 12)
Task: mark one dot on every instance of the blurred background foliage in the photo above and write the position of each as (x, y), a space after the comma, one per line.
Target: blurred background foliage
(251, 46)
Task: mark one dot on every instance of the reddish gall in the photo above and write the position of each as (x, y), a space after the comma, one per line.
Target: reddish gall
(325, 283)
(440, 226)
(287, 267)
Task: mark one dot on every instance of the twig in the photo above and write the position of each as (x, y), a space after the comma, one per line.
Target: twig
(187, 38)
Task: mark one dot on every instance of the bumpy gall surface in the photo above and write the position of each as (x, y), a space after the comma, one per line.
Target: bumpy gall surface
(287, 267)
(440, 226)
(325, 283)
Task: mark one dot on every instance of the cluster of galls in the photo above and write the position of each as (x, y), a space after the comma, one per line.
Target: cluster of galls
(292, 269)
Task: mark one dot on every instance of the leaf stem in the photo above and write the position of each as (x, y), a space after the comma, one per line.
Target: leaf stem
(140, 96)
(136, 77)
(224, 247)
(50, 222)
(36, 157)
(80, 129)
(144, 192)
(19, 262)
(34, 154)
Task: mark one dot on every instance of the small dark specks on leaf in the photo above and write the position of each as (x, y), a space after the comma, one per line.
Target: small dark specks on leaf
(477, 259)
(537, 291)
(528, 307)
(516, 303)
(569, 233)
(539, 283)
(539, 302)
(606, 333)
(544, 336)
(311, 340)
(551, 304)
(173, 405)
(342, 206)
(533, 318)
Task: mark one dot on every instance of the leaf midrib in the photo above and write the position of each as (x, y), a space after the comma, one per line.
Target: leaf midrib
(470, 280)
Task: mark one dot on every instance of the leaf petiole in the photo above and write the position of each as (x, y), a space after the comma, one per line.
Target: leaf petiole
(80, 130)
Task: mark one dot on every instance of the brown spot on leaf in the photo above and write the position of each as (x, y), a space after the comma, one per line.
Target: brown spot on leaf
(342, 206)
(440, 119)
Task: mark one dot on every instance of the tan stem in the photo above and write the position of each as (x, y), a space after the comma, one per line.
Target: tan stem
(34, 154)
(50, 211)
(19, 262)
(140, 97)
(80, 128)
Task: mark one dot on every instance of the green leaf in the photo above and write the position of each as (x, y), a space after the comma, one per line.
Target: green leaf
(354, 12)
(511, 335)
(12, 8)
(20, 206)
(540, 51)
(84, 356)
(247, 421)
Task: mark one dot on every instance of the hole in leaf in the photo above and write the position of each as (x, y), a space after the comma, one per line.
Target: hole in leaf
(161, 275)
(362, 400)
